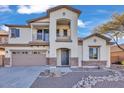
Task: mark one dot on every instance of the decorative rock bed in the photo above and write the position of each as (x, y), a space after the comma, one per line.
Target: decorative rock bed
(52, 72)
(90, 81)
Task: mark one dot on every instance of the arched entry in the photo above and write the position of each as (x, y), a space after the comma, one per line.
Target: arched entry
(63, 57)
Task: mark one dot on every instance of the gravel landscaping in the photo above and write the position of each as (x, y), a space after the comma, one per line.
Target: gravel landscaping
(91, 81)
(68, 80)
(84, 78)
(110, 84)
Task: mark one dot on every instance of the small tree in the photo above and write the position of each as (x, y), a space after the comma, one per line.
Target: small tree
(113, 28)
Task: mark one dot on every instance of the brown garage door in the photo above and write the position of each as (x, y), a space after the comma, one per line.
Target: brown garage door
(28, 58)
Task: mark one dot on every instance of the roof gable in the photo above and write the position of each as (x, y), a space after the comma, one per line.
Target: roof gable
(36, 19)
(98, 35)
(63, 6)
(55, 9)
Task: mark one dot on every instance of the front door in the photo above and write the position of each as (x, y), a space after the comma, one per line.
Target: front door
(65, 57)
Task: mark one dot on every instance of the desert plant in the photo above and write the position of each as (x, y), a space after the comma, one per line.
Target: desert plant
(114, 28)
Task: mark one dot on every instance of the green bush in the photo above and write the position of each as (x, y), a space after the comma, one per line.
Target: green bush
(122, 62)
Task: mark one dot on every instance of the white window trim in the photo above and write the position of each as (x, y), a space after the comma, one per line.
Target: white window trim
(98, 54)
(11, 33)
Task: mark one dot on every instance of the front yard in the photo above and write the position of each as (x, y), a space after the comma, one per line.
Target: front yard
(71, 79)
(34, 77)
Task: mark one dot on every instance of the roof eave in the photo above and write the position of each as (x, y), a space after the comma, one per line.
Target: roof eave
(14, 25)
(63, 6)
(98, 35)
(36, 19)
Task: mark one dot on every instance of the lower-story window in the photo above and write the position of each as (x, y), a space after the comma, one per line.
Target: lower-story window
(93, 52)
(13, 52)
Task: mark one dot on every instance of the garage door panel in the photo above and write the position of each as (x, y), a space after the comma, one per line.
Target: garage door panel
(28, 59)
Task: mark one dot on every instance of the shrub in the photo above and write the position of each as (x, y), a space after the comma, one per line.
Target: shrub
(122, 62)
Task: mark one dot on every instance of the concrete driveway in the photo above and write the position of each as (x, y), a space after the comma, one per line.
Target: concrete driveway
(19, 77)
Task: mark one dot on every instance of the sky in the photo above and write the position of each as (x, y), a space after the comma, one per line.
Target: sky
(91, 15)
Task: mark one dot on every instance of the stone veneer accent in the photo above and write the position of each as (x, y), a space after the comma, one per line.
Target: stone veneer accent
(94, 63)
(73, 61)
(52, 61)
(6, 61)
(1, 60)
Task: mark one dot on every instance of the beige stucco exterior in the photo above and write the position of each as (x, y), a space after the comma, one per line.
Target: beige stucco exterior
(42, 20)
(80, 55)
(70, 45)
(25, 36)
(104, 52)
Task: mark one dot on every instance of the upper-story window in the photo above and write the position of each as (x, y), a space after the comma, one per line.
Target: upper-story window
(58, 33)
(65, 32)
(46, 34)
(15, 33)
(43, 34)
(39, 35)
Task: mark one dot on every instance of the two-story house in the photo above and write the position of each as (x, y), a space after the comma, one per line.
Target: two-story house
(53, 40)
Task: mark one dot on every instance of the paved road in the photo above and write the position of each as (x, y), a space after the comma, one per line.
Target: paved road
(67, 81)
(20, 77)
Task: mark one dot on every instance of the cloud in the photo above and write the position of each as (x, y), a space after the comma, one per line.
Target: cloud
(103, 11)
(32, 9)
(3, 27)
(4, 8)
(81, 24)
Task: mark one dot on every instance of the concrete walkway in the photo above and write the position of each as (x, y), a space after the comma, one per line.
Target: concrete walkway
(19, 77)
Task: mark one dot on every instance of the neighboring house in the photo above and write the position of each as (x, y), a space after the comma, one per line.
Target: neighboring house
(53, 40)
(3, 40)
(117, 54)
(3, 37)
